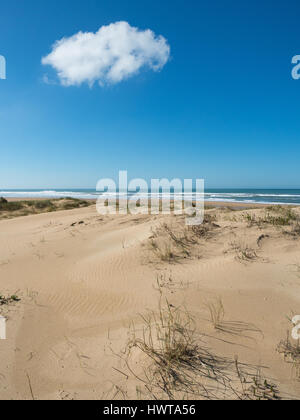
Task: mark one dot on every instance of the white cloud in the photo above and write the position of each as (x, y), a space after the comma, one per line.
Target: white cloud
(114, 53)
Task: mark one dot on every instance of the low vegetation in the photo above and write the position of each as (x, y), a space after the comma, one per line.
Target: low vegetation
(244, 253)
(10, 209)
(291, 354)
(294, 231)
(8, 300)
(273, 215)
(174, 241)
(178, 365)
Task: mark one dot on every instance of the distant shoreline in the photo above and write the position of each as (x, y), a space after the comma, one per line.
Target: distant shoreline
(219, 204)
(217, 196)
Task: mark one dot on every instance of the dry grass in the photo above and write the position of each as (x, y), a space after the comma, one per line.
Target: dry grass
(217, 313)
(217, 317)
(178, 365)
(291, 354)
(294, 230)
(174, 241)
(256, 387)
(244, 253)
(166, 282)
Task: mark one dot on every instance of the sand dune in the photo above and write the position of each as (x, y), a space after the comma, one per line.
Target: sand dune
(84, 278)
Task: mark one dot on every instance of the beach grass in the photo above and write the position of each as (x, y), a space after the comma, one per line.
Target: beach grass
(173, 241)
(11, 209)
(177, 364)
(291, 354)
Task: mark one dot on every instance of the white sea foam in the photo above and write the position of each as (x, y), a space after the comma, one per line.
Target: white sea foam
(243, 197)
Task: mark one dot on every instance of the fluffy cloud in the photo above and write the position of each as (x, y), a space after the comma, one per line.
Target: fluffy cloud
(114, 53)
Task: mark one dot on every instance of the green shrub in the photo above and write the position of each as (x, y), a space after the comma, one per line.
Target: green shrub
(11, 206)
(75, 204)
(43, 204)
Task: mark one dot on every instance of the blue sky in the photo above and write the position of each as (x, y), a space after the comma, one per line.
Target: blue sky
(224, 107)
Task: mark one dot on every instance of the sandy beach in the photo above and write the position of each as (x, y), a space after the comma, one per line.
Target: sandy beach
(84, 280)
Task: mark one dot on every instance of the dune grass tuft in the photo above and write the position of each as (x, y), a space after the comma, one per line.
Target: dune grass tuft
(174, 241)
(291, 354)
(244, 253)
(178, 365)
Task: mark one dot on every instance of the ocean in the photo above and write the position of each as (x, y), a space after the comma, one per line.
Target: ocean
(264, 196)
